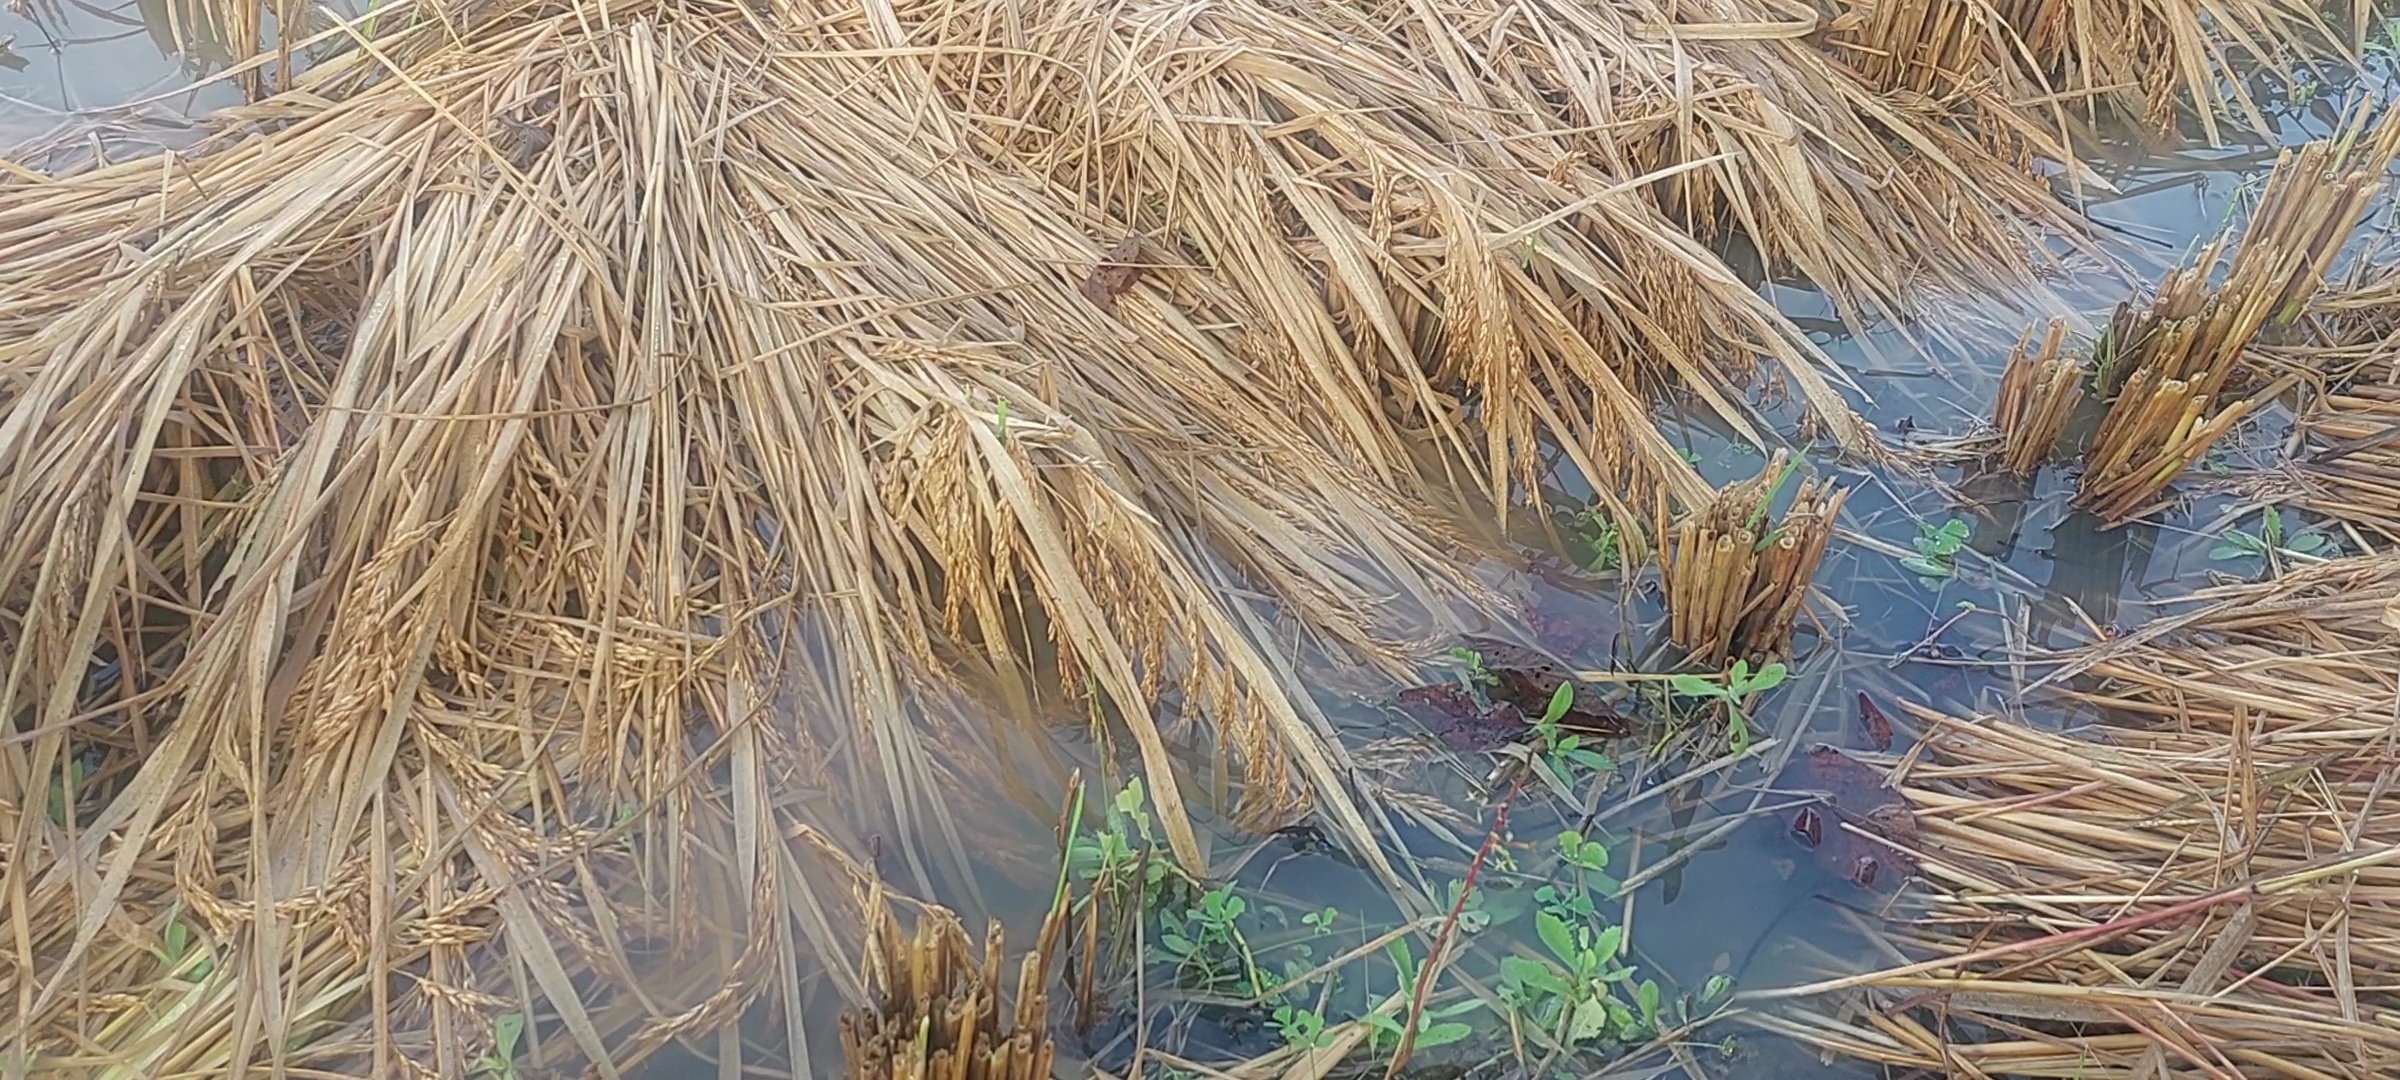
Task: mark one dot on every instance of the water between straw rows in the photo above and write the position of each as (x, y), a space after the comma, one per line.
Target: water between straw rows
(1751, 905)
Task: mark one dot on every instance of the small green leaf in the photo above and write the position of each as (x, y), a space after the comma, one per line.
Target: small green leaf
(1769, 677)
(1621, 1018)
(1176, 943)
(1924, 567)
(1555, 934)
(1694, 686)
(1561, 700)
(1590, 1021)
(2306, 543)
(2230, 552)
(505, 1030)
(1532, 973)
(1716, 987)
(1442, 1034)
(1592, 760)
(1458, 1008)
(1610, 940)
(1647, 995)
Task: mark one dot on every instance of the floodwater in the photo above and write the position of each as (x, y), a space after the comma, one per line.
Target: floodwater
(1743, 899)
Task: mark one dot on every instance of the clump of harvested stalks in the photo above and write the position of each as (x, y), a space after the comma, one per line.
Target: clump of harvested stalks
(1734, 586)
(2170, 362)
(937, 1012)
(2209, 883)
(2038, 393)
(2140, 58)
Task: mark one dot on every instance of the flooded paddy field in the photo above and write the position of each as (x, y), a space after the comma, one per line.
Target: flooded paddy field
(1581, 846)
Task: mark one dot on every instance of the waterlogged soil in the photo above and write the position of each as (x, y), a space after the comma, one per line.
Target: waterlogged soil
(1770, 862)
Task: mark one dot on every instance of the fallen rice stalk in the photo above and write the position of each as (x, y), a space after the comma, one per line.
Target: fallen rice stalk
(2207, 880)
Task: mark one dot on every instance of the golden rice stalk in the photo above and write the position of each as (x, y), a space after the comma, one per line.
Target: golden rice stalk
(2209, 883)
(2156, 429)
(410, 492)
(1679, 140)
(2039, 390)
(1732, 594)
(2350, 470)
(2148, 59)
(2168, 363)
(2353, 474)
(937, 1010)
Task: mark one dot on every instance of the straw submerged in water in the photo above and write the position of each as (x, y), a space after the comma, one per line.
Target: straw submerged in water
(2203, 885)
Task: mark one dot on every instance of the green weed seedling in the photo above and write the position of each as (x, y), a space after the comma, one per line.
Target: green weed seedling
(1564, 751)
(2386, 46)
(1583, 991)
(1117, 858)
(501, 1063)
(1734, 688)
(176, 949)
(1936, 560)
(2274, 540)
(1301, 1028)
(66, 787)
(1209, 947)
(1438, 1027)
(1472, 917)
(1438, 1030)
(1472, 661)
(1600, 533)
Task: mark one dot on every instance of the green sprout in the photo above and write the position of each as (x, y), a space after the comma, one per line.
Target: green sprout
(1937, 552)
(1733, 688)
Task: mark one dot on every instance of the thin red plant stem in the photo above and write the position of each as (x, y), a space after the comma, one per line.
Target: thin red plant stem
(1441, 940)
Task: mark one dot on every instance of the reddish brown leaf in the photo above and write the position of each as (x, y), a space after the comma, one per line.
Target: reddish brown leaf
(1527, 679)
(1117, 272)
(1878, 726)
(1865, 830)
(1452, 715)
(1571, 625)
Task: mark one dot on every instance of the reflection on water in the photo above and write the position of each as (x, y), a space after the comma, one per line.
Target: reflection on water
(96, 77)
